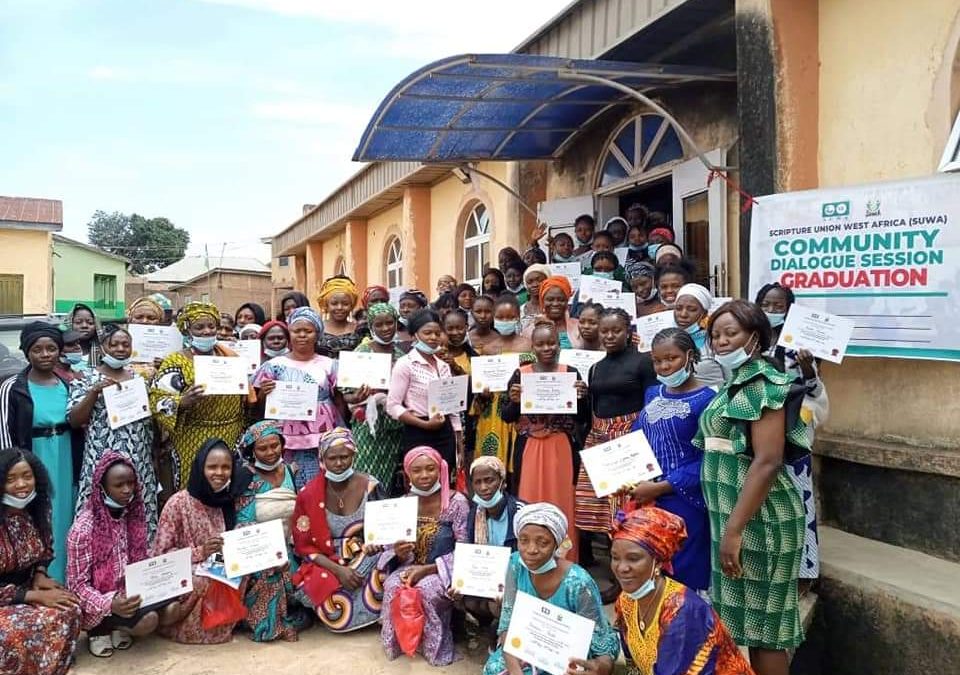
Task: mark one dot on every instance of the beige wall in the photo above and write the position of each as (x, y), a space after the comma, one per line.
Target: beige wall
(379, 229)
(28, 253)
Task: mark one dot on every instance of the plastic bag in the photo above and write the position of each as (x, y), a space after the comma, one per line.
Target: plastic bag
(221, 606)
(462, 481)
(408, 619)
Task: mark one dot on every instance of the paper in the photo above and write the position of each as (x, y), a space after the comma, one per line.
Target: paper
(126, 402)
(364, 368)
(493, 372)
(161, 578)
(582, 360)
(717, 303)
(548, 393)
(622, 252)
(573, 271)
(153, 342)
(387, 521)
(257, 547)
(648, 326)
(395, 294)
(623, 461)
(221, 375)
(213, 568)
(592, 287)
(625, 301)
(447, 396)
(293, 401)
(250, 351)
(480, 571)
(825, 335)
(546, 636)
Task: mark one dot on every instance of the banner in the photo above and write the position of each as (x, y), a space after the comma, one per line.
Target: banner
(885, 255)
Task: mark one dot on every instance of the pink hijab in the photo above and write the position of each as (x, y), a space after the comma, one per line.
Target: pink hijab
(426, 451)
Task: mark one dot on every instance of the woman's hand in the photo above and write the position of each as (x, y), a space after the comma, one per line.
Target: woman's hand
(267, 387)
(125, 607)
(103, 384)
(191, 396)
(515, 391)
(157, 362)
(461, 456)
(348, 577)
(403, 549)
(211, 546)
(415, 574)
(359, 396)
(730, 545)
(454, 594)
(582, 389)
(647, 491)
(372, 549)
(590, 666)
(55, 598)
(806, 363)
(435, 423)
(41, 582)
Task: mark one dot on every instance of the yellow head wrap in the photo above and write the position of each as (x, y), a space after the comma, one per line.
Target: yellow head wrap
(147, 301)
(193, 311)
(336, 285)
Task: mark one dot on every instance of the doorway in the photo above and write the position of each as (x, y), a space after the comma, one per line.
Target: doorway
(656, 196)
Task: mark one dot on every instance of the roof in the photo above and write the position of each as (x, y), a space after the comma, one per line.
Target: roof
(93, 249)
(30, 213)
(194, 266)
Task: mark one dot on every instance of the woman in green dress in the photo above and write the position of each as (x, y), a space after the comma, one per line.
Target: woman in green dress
(756, 516)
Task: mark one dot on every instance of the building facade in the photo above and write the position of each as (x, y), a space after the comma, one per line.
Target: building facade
(89, 275)
(26, 271)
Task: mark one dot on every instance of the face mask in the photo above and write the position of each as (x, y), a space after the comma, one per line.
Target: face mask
(583, 242)
(115, 363)
(652, 250)
(668, 305)
(225, 487)
(676, 379)
(564, 258)
(775, 318)
(424, 348)
(648, 586)
(603, 275)
(113, 503)
(425, 493)
(340, 477)
(263, 466)
(380, 341)
(204, 345)
(515, 289)
(548, 566)
(73, 358)
(734, 359)
(274, 353)
(637, 248)
(505, 327)
(17, 502)
(403, 321)
(488, 503)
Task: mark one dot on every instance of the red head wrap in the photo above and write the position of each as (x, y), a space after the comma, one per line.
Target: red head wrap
(659, 532)
(555, 282)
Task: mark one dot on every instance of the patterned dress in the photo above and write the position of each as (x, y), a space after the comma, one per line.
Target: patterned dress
(760, 609)
(331, 345)
(378, 453)
(496, 436)
(134, 440)
(34, 640)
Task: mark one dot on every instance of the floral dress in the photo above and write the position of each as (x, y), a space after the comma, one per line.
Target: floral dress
(378, 450)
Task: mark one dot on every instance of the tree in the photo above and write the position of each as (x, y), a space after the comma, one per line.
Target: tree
(149, 243)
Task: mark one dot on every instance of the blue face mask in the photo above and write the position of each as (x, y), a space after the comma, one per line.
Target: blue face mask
(274, 353)
(548, 566)
(637, 248)
(676, 379)
(340, 477)
(776, 318)
(73, 358)
(652, 250)
(425, 493)
(505, 327)
(734, 359)
(113, 503)
(488, 503)
(424, 348)
(17, 502)
(646, 589)
(603, 275)
(115, 363)
(204, 345)
(263, 466)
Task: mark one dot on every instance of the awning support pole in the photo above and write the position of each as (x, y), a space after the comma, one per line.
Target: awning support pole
(469, 169)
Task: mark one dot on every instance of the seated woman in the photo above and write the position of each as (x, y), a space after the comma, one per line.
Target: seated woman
(337, 576)
(265, 491)
(196, 518)
(428, 563)
(538, 569)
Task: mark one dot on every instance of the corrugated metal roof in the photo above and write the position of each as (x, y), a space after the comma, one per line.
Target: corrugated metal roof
(89, 247)
(28, 212)
(192, 267)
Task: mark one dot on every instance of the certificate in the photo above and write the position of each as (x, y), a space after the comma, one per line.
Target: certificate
(623, 461)
(546, 636)
(717, 303)
(157, 579)
(387, 521)
(493, 372)
(395, 294)
(622, 252)
(480, 571)
(548, 393)
(293, 401)
(250, 351)
(593, 287)
(648, 326)
(825, 335)
(581, 359)
(447, 396)
(573, 271)
(126, 402)
(364, 368)
(625, 301)
(153, 342)
(258, 547)
(221, 375)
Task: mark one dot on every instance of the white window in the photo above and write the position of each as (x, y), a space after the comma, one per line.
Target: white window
(476, 245)
(950, 161)
(341, 267)
(394, 263)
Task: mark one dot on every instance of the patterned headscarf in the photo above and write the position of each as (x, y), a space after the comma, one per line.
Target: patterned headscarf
(336, 436)
(149, 302)
(368, 293)
(545, 515)
(306, 314)
(639, 268)
(193, 311)
(489, 462)
(335, 285)
(426, 451)
(257, 431)
(659, 532)
(380, 308)
(662, 232)
(163, 301)
(556, 281)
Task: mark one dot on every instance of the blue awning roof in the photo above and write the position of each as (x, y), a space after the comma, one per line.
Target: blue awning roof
(504, 106)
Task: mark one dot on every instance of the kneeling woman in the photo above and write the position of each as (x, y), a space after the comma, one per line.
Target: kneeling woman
(428, 563)
(196, 518)
(538, 569)
(39, 619)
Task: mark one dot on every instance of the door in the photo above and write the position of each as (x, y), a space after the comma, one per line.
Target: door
(11, 294)
(700, 220)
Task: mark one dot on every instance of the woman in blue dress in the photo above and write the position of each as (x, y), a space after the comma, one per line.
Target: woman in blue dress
(669, 421)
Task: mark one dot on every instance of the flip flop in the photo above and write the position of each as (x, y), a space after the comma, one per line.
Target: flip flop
(100, 646)
(121, 640)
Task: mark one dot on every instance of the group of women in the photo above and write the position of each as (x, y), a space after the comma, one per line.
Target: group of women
(703, 559)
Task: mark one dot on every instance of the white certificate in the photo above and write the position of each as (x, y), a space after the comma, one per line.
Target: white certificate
(625, 301)
(573, 271)
(480, 571)
(623, 461)
(221, 375)
(126, 402)
(648, 326)
(157, 579)
(493, 372)
(622, 252)
(447, 396)
(546, 636)
(582, 360)
(364, 368)
(153, 342)
(257, 547)
(548, 393)
(387, 521)
(395, 294)
(825, 335)
(292, 401)
(250, 351)
(717, 303)
(592, 287)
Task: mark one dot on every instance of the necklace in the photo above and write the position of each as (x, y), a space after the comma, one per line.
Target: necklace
(339, 496)
(642, 617)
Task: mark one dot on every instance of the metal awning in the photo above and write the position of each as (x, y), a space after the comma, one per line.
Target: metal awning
(506, 106)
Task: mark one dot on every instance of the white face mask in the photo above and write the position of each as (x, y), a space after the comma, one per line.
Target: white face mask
(19, 502)
(425, 493)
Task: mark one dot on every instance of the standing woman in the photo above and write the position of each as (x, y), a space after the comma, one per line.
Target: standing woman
(555, 294)
(291, 301)
(87, 409)
(534, 276)
(690, 313)
(338, 296)
(640, 277)
(303, 364)
(756, 515)
(146, 312)
(249, 312)
(275, 339)
(588, 325)
(178, 403)
(466, 294)
(411, 301)
(33, 414)
(493, 283)
(459, 352)
(670, 279)
(83, 320)
(483, 338)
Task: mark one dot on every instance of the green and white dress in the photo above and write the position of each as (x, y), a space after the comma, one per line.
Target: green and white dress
(761, 608)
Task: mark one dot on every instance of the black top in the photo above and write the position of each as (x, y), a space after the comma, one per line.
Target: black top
(618, 382)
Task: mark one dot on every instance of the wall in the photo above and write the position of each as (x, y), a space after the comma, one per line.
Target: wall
(27, 252)
(74, 268)
(380, 228)
(227, 291)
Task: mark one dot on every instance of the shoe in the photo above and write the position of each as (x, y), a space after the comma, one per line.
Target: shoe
(121, 640)
(100, 646)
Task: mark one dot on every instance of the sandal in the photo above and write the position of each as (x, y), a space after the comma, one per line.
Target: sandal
(100, 646)
(121, 640)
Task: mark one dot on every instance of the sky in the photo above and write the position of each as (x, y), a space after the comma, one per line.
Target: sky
(225, 116)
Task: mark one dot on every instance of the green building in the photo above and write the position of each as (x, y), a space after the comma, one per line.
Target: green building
(87, 274)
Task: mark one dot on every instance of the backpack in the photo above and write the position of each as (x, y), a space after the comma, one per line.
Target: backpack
(792, 416)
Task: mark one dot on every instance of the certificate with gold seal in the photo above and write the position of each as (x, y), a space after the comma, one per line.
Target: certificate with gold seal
(387, 521)
(356, 369)
(492, 373)
(546, 636)
(548, 393)
(258, 547)
(480, 571)
(126, 402)
(292, 401)
(623, 461)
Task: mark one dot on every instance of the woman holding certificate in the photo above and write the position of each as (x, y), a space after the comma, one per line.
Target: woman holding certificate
(145, 311)
(338, 296)
(555, 294)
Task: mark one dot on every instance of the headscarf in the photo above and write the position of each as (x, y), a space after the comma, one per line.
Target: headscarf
(259, 316)
(481, 531)
(606, 225)
(668, 249)
(662, 232)
(149, 302)
(368, 293)
(250, 327)
(257, 431)
(699, 293)
(336, 436)
(639, 268)
(444, 470)
(163, 301)
(555, 281)
(416, 296)
(199, 488)
(335, 285)
(489, 462)
(536, 268)
(193, 311)
(274, 324)
(421, 319)
(307, 314)
(545, 515)
(379, 309)
(35, 330)
(660, 533)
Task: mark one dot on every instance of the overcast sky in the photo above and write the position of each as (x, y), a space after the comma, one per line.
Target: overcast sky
(225, 116)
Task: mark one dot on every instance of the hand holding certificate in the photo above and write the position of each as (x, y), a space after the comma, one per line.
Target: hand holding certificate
(153, 342)
(126, 402)
(387, 521)
(548, 393)
(572, 271)
(546, 636)
(292, 401)
(447, 396)
(592, 287)
(480, 571)
(826, 336)
(622, 461)
(364, 368)
(221, 375)
(255, 548)
(157, 579)
(493, 373)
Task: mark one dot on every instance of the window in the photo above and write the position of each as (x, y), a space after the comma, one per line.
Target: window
(104, 291)
(204, 297)
(476, 245)
(341, 267)
(187, 299)
(642, 144)
(394, 263)
(283, 261)
(11, 294)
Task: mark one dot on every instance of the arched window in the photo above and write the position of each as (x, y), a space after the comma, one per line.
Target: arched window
(476, 244)
(394, 263)
(642, 144)
(341, 267)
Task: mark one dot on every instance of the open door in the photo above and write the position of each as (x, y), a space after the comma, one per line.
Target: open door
(700, 220)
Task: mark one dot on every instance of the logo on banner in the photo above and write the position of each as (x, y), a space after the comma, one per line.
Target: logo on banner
(835, 209)
(873, 208)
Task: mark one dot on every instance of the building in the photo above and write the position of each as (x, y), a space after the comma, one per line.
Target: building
(26, 273)
(87, 274)
(227, 282)
(283, 272)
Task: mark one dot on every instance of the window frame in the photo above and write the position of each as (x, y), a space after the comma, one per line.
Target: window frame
(950, 159)
(474, 244)
(393, 263)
